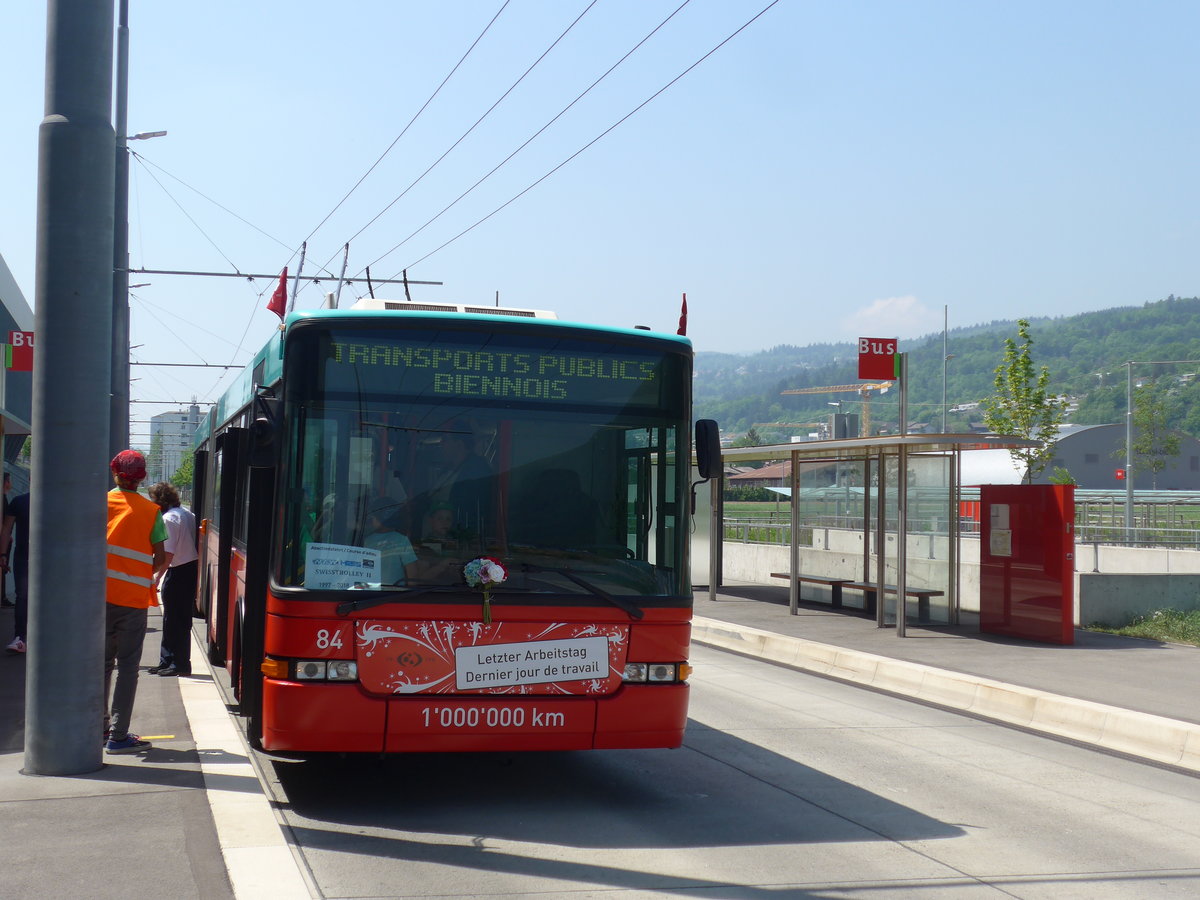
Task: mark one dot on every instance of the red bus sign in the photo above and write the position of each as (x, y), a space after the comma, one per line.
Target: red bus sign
(877, 358)
(18, 355)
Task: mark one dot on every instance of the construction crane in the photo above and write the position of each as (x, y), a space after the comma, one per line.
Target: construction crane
(863, 390)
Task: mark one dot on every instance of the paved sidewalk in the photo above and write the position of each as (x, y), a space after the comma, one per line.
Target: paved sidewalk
(138, 827)
(144, 826)
(1137, 674)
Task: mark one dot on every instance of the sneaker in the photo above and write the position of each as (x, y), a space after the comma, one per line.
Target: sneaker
(171, 671)
(131, 744)
(154, 670)
(17, 646)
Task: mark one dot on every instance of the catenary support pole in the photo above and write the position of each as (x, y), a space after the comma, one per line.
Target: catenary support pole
(73, 297)
(1129, 452)
(118, 424)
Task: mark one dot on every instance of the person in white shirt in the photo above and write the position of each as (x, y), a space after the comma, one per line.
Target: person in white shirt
(177, 582)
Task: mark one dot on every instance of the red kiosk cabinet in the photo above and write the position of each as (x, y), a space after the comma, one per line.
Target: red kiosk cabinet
(1027, 561)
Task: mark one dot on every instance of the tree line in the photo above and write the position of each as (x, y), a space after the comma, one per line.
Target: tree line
(1085, 355)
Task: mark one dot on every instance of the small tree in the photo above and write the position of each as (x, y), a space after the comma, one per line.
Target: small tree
(1062, 476)
(1021, 406)
(751, 439)
(1153, 443)
(183, 475)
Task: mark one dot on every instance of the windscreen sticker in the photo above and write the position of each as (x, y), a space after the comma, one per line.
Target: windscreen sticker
(341, 567)
(500, 658)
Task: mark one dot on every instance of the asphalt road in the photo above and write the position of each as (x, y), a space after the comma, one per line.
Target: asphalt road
(788, 786)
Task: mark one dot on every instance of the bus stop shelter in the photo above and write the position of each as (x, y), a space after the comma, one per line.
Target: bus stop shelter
(891, 488)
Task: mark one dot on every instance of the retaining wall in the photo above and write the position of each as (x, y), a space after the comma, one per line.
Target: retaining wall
(1112, 584)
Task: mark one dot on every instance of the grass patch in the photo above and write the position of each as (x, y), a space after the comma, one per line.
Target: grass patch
(1160, 625)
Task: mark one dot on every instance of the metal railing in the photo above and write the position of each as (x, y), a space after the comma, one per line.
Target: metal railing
(777, 531)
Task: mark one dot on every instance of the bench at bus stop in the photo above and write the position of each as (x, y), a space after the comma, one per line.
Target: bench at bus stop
(869, 590)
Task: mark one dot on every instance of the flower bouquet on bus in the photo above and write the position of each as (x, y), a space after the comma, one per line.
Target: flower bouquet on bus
(485, 573)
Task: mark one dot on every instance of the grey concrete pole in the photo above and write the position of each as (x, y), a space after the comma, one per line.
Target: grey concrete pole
(73, 320)
(1129, 451)
(118, 425)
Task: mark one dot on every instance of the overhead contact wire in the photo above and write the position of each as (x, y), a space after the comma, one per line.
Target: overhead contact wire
(476, 124)
(411, 121)
(602, 134)
(534, 136)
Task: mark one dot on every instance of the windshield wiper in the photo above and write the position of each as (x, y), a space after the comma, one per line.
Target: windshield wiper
(631, 609)
(348, 606)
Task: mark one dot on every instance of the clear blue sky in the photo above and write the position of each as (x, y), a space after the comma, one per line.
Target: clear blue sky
(834, 170)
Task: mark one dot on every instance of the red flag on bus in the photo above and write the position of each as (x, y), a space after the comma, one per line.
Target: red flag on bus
(278, 303)
(683, 317)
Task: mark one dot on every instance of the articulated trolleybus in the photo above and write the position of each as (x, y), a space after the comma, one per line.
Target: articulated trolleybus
(440, 528)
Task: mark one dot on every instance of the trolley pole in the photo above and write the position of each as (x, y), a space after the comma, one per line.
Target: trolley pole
(74, 282)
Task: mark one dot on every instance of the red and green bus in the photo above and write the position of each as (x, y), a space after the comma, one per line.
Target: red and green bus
(374, 463)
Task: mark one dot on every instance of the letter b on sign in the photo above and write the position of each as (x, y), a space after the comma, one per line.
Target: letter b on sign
(877, 358)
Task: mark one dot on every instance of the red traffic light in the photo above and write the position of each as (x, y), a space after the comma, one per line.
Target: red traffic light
(1120, 474)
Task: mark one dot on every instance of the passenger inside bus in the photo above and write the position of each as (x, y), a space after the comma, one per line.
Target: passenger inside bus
(439, 534)
(398, 560)
(464, 478)
(556, 512)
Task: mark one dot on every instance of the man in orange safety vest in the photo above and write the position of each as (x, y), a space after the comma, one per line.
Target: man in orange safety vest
(136, 554)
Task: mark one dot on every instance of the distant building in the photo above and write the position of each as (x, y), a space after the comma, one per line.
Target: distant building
(171, 437)
(775, 475)
(1092, 454)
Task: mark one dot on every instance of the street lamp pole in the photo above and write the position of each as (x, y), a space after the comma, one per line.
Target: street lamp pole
(118, 419)
(1129, 452)
(118, 416)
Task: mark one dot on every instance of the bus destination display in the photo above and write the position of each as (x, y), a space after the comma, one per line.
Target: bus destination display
(554, 375)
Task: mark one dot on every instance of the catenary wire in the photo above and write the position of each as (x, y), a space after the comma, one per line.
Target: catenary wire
(594, 140)
(411, 121)
(462, 137)
(189, 217)
(146, 162)
(534, 136)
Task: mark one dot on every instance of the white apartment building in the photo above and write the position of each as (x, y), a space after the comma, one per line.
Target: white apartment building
(171, 436)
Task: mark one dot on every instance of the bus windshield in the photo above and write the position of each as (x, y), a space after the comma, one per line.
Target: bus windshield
(414, 452)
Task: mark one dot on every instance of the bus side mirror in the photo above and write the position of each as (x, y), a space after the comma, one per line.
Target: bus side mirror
(708, 448)
(264, 432)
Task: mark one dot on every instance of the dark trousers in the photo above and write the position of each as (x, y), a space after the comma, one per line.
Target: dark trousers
(21, 582)
(178, 597)
(125, 630)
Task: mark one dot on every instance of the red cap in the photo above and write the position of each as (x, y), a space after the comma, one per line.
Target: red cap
(129, 464)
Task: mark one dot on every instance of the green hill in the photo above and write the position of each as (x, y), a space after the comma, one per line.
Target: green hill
(1086, 354)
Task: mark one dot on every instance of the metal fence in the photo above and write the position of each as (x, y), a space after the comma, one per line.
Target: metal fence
(778, 531)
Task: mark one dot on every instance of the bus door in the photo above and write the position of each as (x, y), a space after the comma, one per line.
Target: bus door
(229, 447)
(200, 509)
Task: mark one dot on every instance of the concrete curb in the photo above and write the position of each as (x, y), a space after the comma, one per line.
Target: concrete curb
(1125, 731)
(258, 858)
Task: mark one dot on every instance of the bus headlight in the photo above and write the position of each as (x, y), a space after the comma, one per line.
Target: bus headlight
(326, 670)
(661, 672)
(343, 670)
(311, 669)
(656, 673)
(634, 672)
